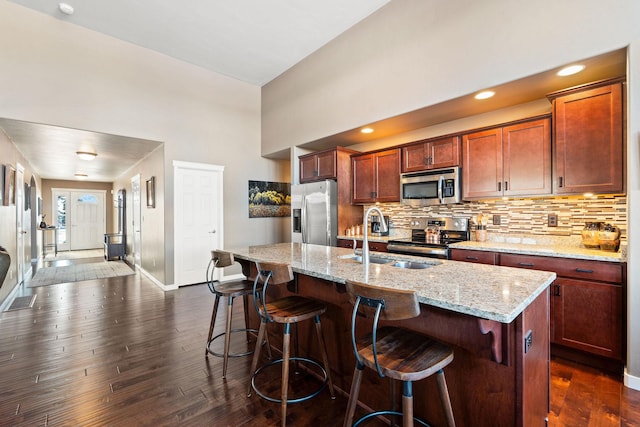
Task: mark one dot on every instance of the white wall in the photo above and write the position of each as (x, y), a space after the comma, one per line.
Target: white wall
(57, 73)
(417, 53)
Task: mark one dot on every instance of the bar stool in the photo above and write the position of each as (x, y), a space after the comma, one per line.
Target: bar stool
(229, 290)
(397, 353)
(288, 310)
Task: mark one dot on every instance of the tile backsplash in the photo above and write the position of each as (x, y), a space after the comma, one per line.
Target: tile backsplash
(525, 216)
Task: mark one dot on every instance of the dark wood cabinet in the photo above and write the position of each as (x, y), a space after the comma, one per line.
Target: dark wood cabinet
(480, 257)
(587, 300)
(431, 154)
(587, 310)
(324, 164)
(589, 143)
(511, 160)
(376, 177)
(374, 246)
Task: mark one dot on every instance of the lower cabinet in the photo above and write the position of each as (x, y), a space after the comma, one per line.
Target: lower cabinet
(373, 246)
(587, 299)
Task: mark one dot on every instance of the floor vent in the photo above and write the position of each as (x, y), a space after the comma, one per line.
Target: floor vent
(22, 302)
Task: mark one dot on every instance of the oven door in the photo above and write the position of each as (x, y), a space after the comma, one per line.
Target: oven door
(440, 252)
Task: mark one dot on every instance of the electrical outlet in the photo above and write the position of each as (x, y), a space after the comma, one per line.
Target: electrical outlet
(496, 220)
(528, 341)
(552, 220)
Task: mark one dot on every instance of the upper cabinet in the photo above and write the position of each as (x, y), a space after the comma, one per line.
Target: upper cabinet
(589, 142)
(511, 160)
(327, 164)
(431, 154)
(376, 177)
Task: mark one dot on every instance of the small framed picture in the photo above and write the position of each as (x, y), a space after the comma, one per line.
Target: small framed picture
(151, 192)
(9, 186)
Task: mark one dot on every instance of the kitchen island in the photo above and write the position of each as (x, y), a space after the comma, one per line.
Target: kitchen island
(495, 318)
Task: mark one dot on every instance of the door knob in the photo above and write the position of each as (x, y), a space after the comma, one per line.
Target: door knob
(212, 232)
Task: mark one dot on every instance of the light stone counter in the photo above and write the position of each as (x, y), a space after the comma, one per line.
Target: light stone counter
(550, 250)
(484, 291)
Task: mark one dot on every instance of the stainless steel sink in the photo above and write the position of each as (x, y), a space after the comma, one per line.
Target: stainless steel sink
(411, 264)
(372, 260)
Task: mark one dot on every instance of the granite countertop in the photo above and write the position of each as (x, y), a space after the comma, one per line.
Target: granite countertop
(549, 249)
(370, 237)
(485, 291)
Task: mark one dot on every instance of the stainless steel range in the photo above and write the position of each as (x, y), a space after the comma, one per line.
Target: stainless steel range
(431, 237)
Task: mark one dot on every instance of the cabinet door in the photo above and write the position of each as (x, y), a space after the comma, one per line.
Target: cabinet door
(588, 316)
(482, 164)
(327, 165)
(479, 257)
(444, 153)
(527, 158)
(388, 176)
(363, 186)
(588, 141)
(308, 168)
(415, 157)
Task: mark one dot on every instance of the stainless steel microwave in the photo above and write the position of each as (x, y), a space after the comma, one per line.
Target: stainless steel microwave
(433, 187)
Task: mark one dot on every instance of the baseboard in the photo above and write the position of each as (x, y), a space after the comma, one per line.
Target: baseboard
(631, 381)
(157, 282)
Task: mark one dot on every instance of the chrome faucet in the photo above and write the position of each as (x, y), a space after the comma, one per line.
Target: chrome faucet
(365, 240)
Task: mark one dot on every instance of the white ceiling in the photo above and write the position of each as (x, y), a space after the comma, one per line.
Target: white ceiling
(250, 40)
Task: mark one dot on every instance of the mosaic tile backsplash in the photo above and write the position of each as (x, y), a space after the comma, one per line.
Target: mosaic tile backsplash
(524, 216)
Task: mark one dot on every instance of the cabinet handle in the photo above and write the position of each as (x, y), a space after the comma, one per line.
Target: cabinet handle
(426, 160)
(506, 186)
(526, 264)
(560, 182)
(499, 186)
(472, 258)
(582, 270)
(556, 290)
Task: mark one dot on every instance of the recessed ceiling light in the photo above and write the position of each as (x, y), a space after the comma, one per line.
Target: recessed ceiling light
(86, 155)
(81, 175)
(366, 130)
(65, 8)
(484, 94)
(571, 69)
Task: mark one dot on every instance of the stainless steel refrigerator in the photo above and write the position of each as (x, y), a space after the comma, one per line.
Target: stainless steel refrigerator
(314, 217)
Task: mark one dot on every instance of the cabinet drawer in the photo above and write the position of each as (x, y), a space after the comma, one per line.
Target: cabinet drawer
(480, 257)
(564, 267)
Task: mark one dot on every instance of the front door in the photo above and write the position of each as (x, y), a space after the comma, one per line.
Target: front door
(198, 219)
(79, 216)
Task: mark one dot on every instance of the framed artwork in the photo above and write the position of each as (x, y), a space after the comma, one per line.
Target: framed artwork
(269, 199)
(151, 192)
(9, 186)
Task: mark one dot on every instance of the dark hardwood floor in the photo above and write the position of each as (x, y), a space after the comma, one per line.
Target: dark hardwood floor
(121, 352)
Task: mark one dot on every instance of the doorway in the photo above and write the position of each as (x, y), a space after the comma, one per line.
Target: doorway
(198, 222)
(79, 216)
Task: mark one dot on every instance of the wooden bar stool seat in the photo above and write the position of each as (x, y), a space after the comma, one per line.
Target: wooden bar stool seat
(230, 290)
(287, 311)
(392, 352)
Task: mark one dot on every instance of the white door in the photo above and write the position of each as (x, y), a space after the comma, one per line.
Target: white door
(20, 222)
(79, 216)
(136, 220)
(198, 219)
(87, 219)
